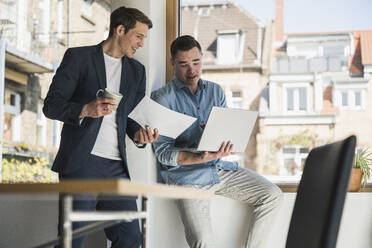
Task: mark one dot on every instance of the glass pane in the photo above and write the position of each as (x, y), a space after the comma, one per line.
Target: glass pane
(303, 160)
(235, 52)
(344, 99)
(290, 166)
(334, 51)
(358, 98)
(290, 105)
(236, 94)
(226, 50)
(289, 150)
(303, 98)
(304, 150)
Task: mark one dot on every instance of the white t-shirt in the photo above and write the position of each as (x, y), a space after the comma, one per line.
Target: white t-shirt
(106, 145)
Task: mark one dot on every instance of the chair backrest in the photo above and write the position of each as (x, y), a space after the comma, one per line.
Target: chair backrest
(321, 194)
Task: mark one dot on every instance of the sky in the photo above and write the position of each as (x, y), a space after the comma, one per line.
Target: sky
(312, 15)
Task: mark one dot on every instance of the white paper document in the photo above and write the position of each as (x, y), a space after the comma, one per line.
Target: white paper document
(169, 123)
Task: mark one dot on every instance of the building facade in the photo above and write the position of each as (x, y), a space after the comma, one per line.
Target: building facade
(36, 34)
(318, 92)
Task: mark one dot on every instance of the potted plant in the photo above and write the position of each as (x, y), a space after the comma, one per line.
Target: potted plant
(361, 170)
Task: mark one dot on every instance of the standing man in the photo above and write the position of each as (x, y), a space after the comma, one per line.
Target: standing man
(189, 94)
(93, 135)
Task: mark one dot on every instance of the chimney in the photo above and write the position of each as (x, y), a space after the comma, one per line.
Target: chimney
(278, 21)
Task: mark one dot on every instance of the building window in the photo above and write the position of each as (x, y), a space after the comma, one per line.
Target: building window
(204, 11)
(12, 116)
(44, 23)
(334, 51)
(236, 100)
(41, 126)
(56, 133)
(293, 160)
(351, 99)
(229, 47)
(303, 50)
(86, 8)
(60, 19)
(296, 98)
(344, 96)
(358, 98)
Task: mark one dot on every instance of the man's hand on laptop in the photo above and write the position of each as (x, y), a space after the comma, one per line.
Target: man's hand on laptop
(224, 151)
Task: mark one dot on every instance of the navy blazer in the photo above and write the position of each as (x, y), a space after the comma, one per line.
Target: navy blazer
(80, 75)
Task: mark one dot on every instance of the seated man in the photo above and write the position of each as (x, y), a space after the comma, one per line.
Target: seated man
(189, 94)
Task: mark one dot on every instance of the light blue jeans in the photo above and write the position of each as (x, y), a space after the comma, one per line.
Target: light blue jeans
(244, 185)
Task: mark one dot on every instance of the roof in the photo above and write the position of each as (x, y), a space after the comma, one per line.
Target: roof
(219, 18)
(366, 47)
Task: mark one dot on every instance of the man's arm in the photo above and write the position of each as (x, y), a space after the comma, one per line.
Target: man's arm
(186, 158)
(57, 103)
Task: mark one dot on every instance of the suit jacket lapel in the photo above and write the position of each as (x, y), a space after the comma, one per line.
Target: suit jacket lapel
(100, 67)
(125, 77)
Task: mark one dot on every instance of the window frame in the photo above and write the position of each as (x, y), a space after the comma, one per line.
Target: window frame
(351, 98)
(297, 158)
(296, 103)
(16, 111)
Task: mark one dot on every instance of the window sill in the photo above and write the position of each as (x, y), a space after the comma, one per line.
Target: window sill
(292, 188)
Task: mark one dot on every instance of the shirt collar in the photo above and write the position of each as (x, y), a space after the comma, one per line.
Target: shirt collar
(180, 85)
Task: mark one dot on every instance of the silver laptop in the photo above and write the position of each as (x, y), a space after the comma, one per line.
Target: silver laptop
(225, 124)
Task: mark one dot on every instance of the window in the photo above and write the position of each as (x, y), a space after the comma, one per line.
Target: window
(60, 19)
(86, 8)
(228, 47)
(204, 11)
(56, 133)
(44, 22)
(236, 99)
(345, 99)
(12, 116)
(41, 126)
(293, 160)
(306, 50)
(351, 99)
(295, 110)
(358, 98)
(296, 98)
(334, 51)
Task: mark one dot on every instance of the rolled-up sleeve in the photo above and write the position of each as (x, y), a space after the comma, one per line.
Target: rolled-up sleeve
(163, 145)
(163, 151)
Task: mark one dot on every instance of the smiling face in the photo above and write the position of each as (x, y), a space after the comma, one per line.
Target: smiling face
(187, 66)
(132, 40)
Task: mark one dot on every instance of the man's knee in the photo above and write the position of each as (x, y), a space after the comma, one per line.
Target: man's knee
(199, 238)
(275, 195)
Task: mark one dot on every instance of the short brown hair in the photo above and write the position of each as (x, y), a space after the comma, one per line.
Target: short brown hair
(127, 17)
(183, 43)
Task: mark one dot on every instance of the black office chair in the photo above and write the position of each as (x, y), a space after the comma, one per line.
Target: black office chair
(321, 194)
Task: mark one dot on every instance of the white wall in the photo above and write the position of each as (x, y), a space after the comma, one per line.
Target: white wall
(141, 162)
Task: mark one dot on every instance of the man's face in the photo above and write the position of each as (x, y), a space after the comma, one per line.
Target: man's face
(187, 66)
(133, 39)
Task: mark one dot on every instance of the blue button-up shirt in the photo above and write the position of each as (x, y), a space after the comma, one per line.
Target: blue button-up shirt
(178, 97)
